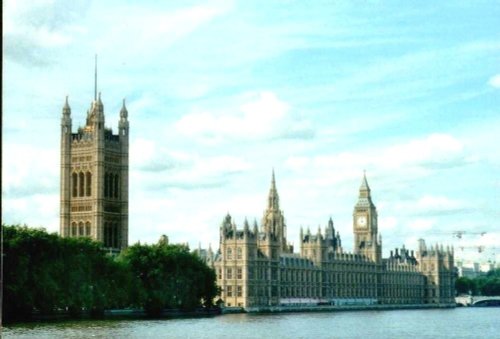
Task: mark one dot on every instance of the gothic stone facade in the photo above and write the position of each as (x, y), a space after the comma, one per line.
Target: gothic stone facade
(94, 178)
(257, 268)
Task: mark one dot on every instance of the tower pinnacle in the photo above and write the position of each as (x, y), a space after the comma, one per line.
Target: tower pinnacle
(123, 111)
(66, 108)
(364, 183)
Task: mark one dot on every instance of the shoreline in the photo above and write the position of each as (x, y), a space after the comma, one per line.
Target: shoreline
(116, 314)
(331, 308)
(138, 314)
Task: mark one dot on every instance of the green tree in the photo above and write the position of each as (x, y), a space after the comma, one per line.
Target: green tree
(464, 285)
(170, 277)
(46, 273)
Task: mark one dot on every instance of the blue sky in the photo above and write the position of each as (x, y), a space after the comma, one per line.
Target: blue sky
(221, 92)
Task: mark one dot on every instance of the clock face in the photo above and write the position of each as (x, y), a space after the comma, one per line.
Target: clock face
(361, 221)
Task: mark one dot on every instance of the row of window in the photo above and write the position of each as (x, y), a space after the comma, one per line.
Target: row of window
(290, 276)
(80, 229)
(239, 291)
(112, 235)
(111, 185)
(229, 253)
(315, 292)
(81, 184)
(229, 273)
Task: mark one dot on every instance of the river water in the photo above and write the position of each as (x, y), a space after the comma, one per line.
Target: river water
(435, 323)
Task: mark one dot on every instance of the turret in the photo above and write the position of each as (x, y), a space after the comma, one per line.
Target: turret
(123, 124)
(65, 169)
(66, 110)
(66, 119)
(246, 227)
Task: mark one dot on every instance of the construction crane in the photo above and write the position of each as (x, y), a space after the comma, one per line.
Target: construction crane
(480, 249)
(459, 234)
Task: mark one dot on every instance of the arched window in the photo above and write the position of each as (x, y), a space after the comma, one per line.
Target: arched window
(80, 229)
(111, 234)
(88, 183)
(106, 235)
(118, 236)
(229, 253)
(73, 228)
(87, 229)
(116, 186)
(106, 183)
(110, 185)
(74, 184)
(115, 235)
(81, 184)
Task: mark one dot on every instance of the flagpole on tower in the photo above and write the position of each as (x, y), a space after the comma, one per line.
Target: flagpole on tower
(95, 79)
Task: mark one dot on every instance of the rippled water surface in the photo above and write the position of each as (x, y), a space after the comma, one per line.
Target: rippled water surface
(447, 323)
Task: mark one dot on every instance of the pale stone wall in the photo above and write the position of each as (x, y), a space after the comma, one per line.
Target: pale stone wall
(255, 269)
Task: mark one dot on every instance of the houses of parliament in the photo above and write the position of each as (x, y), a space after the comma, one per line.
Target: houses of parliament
(255, 265)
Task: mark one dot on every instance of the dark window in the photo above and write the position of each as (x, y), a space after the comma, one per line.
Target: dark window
(116, 186)
(74, 184)
(88, 183)
(115, 235)
(106, 185)
(110, 185)
(106, 235)
(81, 182)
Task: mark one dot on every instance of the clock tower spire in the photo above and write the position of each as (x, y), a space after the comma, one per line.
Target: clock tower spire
(366, 240)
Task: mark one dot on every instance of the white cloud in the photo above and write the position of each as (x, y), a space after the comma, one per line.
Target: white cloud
(495, 81)
(29, 169)
(142, 151)
(433, 150)
(417, 157)
(420, 225)
(438, 203)
(387, 223)
(152, 30)
(261, 115)
(45, 23)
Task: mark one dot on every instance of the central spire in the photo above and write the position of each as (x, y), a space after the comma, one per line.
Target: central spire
(273, 194)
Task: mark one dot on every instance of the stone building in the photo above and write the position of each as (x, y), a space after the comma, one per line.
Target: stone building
(256, 267)
(94, 178)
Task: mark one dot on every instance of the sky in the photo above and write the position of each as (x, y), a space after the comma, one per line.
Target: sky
(221, 92)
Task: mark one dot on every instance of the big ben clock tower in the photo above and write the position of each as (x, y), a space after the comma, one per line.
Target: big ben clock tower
(365, 228)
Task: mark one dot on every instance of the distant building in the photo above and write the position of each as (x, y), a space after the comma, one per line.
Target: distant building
(473, 269)
(94, 178)
(256, 267)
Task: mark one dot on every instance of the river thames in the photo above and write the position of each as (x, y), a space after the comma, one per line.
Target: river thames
(435, 323)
